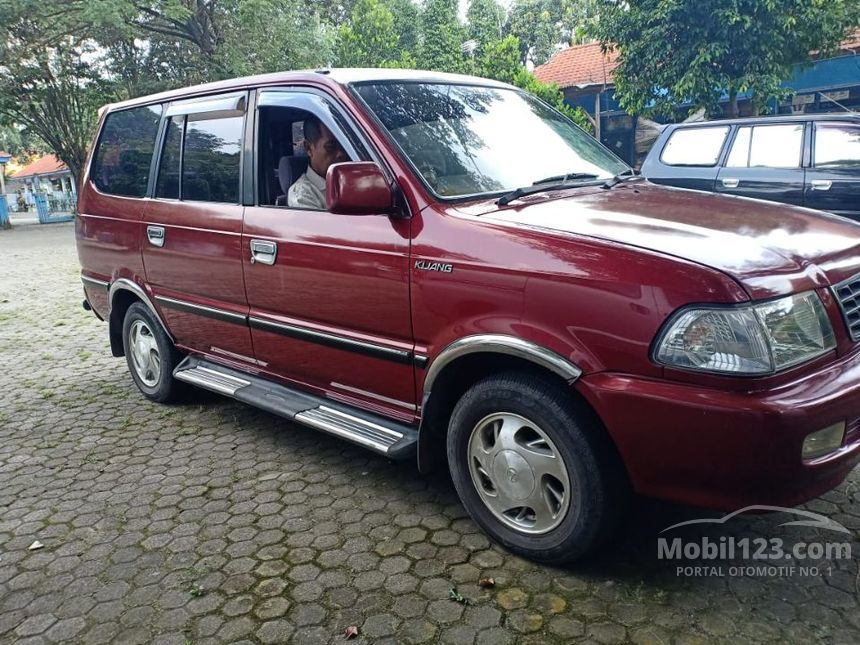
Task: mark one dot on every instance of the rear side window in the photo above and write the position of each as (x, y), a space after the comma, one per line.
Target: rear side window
(837, 146)
(211, 159)
(694, 147)
(124, 153)
(776, 146)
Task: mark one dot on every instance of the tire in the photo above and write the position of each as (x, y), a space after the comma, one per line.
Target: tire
(514, 433)
(150, 355)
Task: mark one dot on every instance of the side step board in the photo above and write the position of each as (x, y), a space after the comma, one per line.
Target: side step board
(386, 437)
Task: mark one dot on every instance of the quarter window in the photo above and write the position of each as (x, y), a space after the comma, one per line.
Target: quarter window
(776, 146)
(837, 146)
(694, 147)
(124, 153)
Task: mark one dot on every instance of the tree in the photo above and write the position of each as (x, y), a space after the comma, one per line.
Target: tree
(677, 51)
(500, 61)
(48, 84)
(199, 22)
(275, 35)
(486, 21)
(406, 26)
(579, 19)
(537, 24)
(442, 37)
(19, 142)
(369, 39)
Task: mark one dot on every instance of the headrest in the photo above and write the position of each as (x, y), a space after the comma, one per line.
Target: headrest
(290, 169)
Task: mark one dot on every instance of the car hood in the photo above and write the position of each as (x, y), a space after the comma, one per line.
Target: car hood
(770, 249)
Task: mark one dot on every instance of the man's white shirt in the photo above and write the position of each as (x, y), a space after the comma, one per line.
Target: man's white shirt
(308, 191)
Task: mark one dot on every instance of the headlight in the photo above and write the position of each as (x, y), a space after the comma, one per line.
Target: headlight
(752, 339)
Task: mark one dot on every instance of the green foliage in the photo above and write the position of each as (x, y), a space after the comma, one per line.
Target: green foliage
(20, 142)
(441, 37)
(501, 62)
(673, 51)
(486, 22)
(48, 84)
(407, 26)
(275, 35)
(579, 20)
(551, 94)
(537, 24)
(370, 38)
(59, 62)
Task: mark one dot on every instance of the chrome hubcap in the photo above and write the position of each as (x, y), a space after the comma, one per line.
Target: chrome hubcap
(519, 473)
(144, 353)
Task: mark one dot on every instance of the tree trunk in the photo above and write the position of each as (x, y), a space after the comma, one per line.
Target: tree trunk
(733, 104)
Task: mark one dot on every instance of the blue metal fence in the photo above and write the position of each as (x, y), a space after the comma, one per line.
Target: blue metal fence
(44, 212)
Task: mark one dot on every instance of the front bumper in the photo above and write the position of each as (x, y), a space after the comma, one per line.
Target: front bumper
(725, 449)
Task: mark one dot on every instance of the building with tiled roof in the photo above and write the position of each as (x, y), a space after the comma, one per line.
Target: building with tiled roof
(584, 74)
(47, 165)
(48, 176)
(579, 66)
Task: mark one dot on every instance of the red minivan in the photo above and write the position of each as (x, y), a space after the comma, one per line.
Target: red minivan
(443, 268)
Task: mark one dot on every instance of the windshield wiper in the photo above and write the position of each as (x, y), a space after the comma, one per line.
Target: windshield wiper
(548, 183)
(619, 178)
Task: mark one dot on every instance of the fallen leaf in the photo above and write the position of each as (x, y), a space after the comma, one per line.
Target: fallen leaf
(487, 582)
(350, 632)
(36, 545)
(456, 596)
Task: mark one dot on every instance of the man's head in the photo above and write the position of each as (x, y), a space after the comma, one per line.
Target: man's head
(322, 148)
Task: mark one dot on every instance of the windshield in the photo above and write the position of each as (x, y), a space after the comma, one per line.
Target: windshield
(468, 140)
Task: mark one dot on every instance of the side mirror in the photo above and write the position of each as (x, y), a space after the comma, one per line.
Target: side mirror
(357, 188)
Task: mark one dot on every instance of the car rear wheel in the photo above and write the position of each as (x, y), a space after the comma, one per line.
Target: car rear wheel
(534, 469)
(150, 354)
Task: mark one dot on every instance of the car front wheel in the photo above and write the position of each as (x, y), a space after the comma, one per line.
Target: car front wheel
(534, 469)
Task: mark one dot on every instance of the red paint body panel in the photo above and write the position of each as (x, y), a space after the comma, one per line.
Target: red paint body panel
(334, 273)
(711, 447)
(358, 188)
(771, 249)
(200, 263)
(597, 303)
(589, 273)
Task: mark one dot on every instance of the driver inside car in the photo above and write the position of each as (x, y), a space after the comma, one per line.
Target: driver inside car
(323, 150)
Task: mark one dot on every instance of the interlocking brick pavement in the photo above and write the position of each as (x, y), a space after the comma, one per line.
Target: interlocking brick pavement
(212, 522)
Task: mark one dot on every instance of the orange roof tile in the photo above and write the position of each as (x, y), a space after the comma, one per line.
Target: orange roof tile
(579, 65)
(583, 65)
(47, 165)
(852, 43)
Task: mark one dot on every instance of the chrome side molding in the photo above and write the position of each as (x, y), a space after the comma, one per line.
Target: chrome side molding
(125, 284)
(501, 344)
(102, 284)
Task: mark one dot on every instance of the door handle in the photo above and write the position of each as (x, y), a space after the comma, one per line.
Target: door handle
(264, 252)
(731, 183)
(155, 234)
(821, 184)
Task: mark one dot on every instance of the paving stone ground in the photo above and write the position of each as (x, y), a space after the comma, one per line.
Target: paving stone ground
(212, 522)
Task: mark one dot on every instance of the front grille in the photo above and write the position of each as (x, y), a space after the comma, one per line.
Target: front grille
(848, 296)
